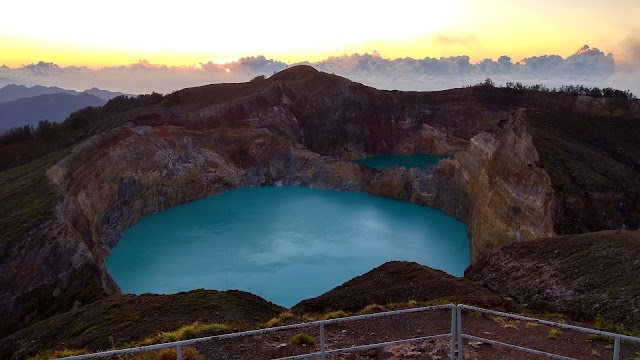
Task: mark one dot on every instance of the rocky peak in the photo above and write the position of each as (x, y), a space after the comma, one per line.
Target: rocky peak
(298, 72)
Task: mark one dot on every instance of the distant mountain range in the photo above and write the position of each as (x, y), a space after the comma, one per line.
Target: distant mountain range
(21, 105)
(14, 92)
(52, 107)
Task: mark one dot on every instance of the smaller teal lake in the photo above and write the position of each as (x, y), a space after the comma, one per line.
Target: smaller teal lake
(284, 244)
(383, 161)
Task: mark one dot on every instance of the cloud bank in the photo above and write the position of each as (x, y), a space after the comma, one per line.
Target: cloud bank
(141, 77)
(587, 66)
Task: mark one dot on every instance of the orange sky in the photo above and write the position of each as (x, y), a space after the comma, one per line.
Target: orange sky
(71, 32)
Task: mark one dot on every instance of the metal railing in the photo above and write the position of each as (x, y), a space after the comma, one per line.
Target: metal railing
(460, 336)
(321, 324)
(456, 336)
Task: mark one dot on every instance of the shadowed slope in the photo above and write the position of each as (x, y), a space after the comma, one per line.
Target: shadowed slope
(586, 275)
(395, 282)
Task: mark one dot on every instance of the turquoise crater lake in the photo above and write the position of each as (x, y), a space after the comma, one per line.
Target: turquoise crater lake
(284, 244)
(382, 161)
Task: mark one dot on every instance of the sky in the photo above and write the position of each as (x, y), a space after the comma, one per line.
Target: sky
(142, 46)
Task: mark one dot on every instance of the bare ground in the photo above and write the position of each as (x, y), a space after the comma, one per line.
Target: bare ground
(361, 332)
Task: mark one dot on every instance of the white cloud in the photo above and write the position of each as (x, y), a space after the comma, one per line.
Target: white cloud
(141, 77)
(587, 66)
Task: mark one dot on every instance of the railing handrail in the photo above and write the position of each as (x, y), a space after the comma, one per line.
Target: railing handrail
(552, 323)
(460, 335)
(456, 335)
(182, 343)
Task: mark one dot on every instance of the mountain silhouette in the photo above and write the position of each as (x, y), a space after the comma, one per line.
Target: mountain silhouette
(52, 107)
(13, 92)
(103, 94)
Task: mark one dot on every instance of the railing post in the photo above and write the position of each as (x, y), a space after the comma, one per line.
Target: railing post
(454, 332)
(616, 349)
(323, 356)
(179, 352)
(459, 330)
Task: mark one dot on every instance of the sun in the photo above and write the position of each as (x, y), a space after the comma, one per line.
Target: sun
(227, 70)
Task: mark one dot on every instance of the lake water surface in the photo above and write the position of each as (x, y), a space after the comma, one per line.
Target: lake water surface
(284, 244)
(422, 161)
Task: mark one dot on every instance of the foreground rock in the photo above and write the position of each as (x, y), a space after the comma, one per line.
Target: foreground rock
(585, 275)
(121, 319)
(396, 282)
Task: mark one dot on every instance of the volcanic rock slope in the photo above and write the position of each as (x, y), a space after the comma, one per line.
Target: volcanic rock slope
(303, 127)
(585, 275)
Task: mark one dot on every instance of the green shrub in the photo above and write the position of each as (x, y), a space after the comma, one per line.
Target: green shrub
(303, 338)
(607, 325)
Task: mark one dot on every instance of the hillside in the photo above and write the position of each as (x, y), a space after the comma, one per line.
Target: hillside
(53, 107)
(523, 168)
(593, 162)
(399, 282)
(586, 275)
(123, 319)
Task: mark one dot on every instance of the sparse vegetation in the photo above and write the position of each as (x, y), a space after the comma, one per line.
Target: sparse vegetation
(548, 316)
(596, 337)
(259, 78)
(334, 315)
(26, 195)
(403, 305)
(300, 339)
(327, 316)
(121, 321)
(505, 323)
(607, 325)
(276, 320)
(52, 354)
(596, 92)
(23, 144)
(372, 309)
(311, 317)
(189, 331)
(553, 334)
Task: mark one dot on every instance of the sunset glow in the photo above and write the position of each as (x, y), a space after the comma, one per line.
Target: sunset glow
(144, 46)
(69, 32)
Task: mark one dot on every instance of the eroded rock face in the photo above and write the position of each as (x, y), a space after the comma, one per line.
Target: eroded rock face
(495, 186)
(511, 196)
(300, 128)
(115, 178)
